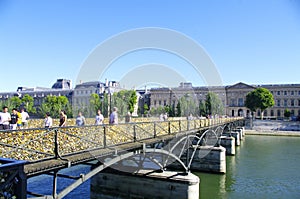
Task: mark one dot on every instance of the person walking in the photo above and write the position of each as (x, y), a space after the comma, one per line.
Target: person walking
(99, 118)
(113, 119)
(128, 117)
(19, 122)
(25, 117)
(5, 118)
(80, 119)
(63, 118)
(48, 121)
(13, 119)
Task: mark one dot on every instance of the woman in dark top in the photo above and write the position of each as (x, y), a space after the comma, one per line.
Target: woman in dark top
(63, 119)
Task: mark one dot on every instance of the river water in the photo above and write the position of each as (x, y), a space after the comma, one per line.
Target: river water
(263, 167)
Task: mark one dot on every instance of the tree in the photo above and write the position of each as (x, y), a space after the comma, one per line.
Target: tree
(146, 108)
(15, 102)
(287, 113)
(54, 104)
(202, 108)
(178, 108)
(28, 103)
(260, 98)
(213, 104)
(95, 102)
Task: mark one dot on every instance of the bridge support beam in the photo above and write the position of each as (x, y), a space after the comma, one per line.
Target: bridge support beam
(229, 144)
(145, 184)
(236, 135)
(209, 159)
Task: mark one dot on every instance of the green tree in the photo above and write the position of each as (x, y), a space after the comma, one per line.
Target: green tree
(287, 113)
(28, 103)
(15, 102)
(125, 101)
(95, 102)
(146, 108)
(213, 104)
(178, 109)
(202, 109)
(54, 104)
(260, 98)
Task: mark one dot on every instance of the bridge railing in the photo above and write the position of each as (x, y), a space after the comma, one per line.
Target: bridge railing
(40, 143)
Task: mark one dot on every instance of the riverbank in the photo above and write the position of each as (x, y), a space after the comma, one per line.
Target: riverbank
(274, 128)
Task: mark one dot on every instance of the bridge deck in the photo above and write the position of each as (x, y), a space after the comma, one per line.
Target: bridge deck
(56, 148)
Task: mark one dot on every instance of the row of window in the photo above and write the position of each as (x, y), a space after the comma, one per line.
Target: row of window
(280, 113)
(81, 92)
(286, 102)
(285, 92)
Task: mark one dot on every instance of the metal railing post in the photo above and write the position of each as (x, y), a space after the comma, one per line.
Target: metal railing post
(179, 126)
(134, 133)
(56, 146)
(104, 136)
(169, 127)
(154, 130)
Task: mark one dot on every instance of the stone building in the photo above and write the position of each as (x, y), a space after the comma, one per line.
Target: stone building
(62, 87)
(286, 96)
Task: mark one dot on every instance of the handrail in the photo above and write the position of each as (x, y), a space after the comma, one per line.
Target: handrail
(39, 143)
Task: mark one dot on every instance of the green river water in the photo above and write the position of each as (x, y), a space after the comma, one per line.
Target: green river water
(263, 167)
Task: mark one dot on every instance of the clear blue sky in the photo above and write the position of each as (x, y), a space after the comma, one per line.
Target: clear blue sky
(256, 42)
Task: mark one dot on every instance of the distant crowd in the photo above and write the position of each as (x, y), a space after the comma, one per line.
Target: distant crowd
(14, 120)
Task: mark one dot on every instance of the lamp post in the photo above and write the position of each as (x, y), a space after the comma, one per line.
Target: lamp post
(103, 89)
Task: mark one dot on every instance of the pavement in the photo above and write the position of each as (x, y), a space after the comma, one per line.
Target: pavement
(271, 127)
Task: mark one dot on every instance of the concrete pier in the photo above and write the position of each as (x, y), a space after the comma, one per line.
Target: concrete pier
(210, 159)
(229, 144)
(236, 136)
(145, 184)
(241, 132)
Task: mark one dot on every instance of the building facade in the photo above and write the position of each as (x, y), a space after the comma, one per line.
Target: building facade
(286, 96)
(233, 97)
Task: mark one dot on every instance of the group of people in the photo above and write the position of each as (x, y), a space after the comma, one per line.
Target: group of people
(48, 122)
(80, 119)
(113, 118)
(14, 120)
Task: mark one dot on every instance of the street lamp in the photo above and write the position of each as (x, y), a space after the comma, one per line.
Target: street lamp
(102, 89)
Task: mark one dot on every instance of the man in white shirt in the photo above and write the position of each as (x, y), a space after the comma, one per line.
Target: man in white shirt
(25, 118)
(99, 118)
(5, 118)
(48, 121)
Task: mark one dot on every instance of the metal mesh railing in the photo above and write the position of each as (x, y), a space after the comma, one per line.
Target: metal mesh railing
(40, 143)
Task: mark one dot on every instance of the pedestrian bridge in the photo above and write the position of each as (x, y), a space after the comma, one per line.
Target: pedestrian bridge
(48, 150)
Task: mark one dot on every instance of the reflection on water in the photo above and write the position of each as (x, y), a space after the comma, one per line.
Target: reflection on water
(263, 167)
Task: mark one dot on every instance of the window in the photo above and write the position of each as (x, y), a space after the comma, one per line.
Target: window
(265, 113)
(285, 92)
(298, 92)
(292, 102)
(292, 112)
(278, 93)
(278, 113)
(299, 102)
(299, 112)
(154, 102)
(285, 102)
(272, 112)
(292, 92)
(159, 102)
(241, 102)
(165, 102)
(232, 102)
(278, 102)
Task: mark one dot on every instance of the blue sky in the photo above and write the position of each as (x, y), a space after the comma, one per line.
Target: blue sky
(256, 42)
